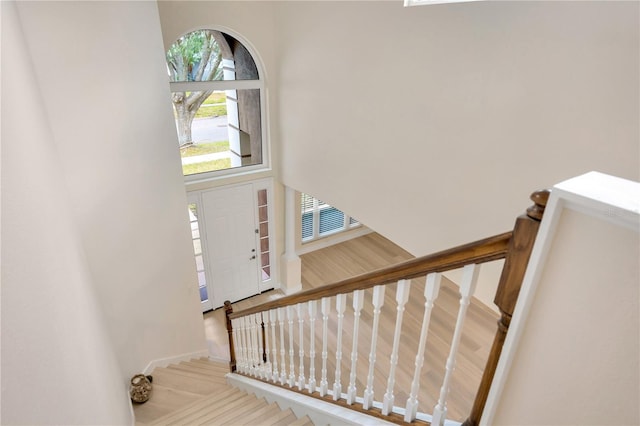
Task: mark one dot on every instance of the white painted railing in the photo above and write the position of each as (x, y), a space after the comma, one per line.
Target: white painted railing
(265, 339)
(257, 341)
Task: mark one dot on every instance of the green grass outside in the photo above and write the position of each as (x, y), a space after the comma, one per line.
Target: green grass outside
(204, 148)
(208, 166)
(215, 98)
(211, 111)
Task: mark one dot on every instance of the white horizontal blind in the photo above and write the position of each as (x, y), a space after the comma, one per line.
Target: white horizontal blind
(319, 219)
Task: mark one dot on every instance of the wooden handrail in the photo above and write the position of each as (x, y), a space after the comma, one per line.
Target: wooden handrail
(481, 251)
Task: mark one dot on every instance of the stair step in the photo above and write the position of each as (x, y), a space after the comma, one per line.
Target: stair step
(206, 363)
(181, 382)
(202, 403)
(203, 368)
(164, 400)
(264, 412)
(282, 418)
(212, 408)
(233, 412)
(195, 392)
(302, 421)
(187, 371)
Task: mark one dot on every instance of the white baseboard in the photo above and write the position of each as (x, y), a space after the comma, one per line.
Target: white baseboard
(320, 412)
(174, 359)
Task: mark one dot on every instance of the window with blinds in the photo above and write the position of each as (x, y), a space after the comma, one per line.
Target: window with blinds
(320, 219)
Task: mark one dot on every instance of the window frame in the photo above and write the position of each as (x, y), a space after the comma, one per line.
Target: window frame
(222, 85)
(316, 207)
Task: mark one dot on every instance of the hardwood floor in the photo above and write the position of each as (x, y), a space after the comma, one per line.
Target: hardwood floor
(368, 253)
(196, 393)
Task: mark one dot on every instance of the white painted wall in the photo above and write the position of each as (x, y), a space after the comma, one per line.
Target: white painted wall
(433, 124)
(101, 70)
(58, 366)
(573, 351)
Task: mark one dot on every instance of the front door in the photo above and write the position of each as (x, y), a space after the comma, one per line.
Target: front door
(231, 229)
(231, 243)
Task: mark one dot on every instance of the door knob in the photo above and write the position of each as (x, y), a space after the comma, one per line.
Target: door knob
(252, 257)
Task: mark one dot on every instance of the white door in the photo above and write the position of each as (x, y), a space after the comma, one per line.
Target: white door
(231, 242)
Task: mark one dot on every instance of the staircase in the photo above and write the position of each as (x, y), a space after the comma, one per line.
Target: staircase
(196, 393)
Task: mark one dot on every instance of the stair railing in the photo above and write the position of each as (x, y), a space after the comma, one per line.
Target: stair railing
(263, 342)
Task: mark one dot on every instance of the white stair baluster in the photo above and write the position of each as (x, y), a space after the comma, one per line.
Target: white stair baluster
(341, 302)
(358, 303)
(402, 295)
(325, 306)
(254, 346)
(301, 378)
(245, 345)
(378, 302)
(431, 289)
(467, 288)
(292, 362)
(283, 364)
(313, 307)
(272, 319)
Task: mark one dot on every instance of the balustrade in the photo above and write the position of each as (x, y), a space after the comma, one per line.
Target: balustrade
(257, 335)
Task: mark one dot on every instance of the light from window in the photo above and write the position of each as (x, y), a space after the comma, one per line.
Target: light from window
(320, 219)
(197, 251)
(263, 233)
(216, 98)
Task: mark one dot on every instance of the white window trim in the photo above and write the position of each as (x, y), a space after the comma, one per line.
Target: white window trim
(190, 86)
(219, 85)
(315, 210)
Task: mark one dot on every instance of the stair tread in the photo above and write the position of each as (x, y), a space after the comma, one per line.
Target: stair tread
(200, 403)
(186, 383)
(164, 400)
(195, 416)
(195, 392)
(232, 412)
(201, 368)
(302, 421)
(278, 418)
(207, 411)
(263, 412)
(195, 374)
(208, 364)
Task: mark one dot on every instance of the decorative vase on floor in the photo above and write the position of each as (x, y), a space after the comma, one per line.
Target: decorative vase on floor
(140, 389)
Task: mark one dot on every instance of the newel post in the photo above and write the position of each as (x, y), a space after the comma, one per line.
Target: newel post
(228, 310)
(519, 251)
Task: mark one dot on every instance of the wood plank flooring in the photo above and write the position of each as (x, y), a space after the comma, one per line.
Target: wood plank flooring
(195, 393)
(368, 253)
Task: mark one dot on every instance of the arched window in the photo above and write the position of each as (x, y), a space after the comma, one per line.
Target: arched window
(216, 91)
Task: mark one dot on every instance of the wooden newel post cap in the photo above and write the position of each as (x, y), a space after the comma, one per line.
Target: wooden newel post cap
(227, 306)
(539, 199)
